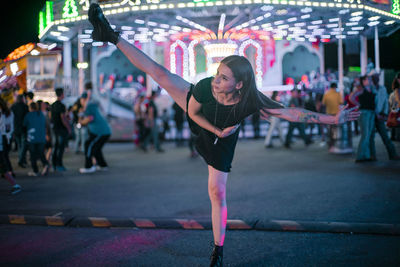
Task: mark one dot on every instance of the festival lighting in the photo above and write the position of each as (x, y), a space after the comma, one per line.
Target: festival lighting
(305, 16)
(14, 68)
(374, 18)
(185, 58)
(316, 22)
(70, 10)
(300, 24)
(334, 20)
(3, 78)
(34, 52)
(333, 25)
(389, 22)
(258, 72)
(63, 38)
(373, 23)
(306, 10)
(357, 28)
(86, 41)
(97, 43)
(82, 36)
(358, 18)
(50, 47)
(20, 52)
(62, 28)
(292, 19)
(267, 8)
(349, 24)
(356, 14)
(126, 28)
(82, 65)
(343, 11)
(192, 59)
(55, 33)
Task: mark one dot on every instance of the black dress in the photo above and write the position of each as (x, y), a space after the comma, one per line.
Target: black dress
(219, 155)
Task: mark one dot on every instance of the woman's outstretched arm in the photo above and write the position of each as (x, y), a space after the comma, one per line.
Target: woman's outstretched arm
(175, 85)
(306, 116)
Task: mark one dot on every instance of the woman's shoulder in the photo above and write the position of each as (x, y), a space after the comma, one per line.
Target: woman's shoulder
(202, 90)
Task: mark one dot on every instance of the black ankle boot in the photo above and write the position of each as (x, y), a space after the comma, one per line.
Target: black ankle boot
(216, 256)
(102, 30)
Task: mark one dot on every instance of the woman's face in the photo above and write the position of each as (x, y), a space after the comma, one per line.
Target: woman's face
(224, 81)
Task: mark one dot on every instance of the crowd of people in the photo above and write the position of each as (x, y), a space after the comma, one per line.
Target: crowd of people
(375, 101)
(42, 131)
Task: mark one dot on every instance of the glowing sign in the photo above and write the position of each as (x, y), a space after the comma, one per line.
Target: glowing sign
(20, 52)
(70, 9)
(45, 17)
(396, 7)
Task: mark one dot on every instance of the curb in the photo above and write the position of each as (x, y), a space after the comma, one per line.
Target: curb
(192, 224)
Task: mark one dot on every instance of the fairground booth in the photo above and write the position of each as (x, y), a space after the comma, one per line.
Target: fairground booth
(280, 38)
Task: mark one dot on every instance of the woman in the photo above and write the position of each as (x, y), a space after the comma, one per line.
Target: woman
(215, 108)
(7, 132)
(364, 98)
(99, 132)
(4, 161)
(394, 103)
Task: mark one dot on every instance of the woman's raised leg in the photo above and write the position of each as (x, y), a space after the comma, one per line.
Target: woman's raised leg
(175, 85)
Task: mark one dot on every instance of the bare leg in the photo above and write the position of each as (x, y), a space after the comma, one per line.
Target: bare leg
(217, 192)
(175, 85)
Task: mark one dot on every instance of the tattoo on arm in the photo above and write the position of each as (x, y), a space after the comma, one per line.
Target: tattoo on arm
(306, 116)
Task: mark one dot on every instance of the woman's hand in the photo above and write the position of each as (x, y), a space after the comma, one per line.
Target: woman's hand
(228, 131)
(345, 115)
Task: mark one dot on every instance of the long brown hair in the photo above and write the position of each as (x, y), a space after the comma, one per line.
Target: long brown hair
(243, 72)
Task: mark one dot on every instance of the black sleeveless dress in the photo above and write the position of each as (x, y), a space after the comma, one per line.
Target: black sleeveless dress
(219, 155)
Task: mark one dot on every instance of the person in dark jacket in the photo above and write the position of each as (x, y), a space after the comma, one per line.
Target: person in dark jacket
(20, 109)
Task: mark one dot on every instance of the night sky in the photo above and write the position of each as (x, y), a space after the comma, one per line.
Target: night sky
(19, 26)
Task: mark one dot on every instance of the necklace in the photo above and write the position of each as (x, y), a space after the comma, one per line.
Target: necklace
(227, 117)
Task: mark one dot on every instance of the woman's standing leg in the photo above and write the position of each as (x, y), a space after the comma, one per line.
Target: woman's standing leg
(217, 193)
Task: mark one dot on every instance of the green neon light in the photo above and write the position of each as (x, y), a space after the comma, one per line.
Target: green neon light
(396, 7)
(70, 9)
(49, 12)
(41, 22)
(355, 69)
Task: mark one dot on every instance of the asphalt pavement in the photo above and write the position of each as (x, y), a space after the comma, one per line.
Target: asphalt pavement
(301, 207)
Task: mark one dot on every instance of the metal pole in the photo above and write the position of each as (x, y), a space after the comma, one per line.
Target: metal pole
(81, 73)
(67, 64)
(322, 59)
(93, 69)
(377, 61)
(340, 63)
(363, 54)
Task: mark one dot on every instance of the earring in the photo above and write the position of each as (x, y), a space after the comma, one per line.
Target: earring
(240, 92)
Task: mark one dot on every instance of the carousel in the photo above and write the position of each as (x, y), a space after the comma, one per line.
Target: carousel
(280, 38)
